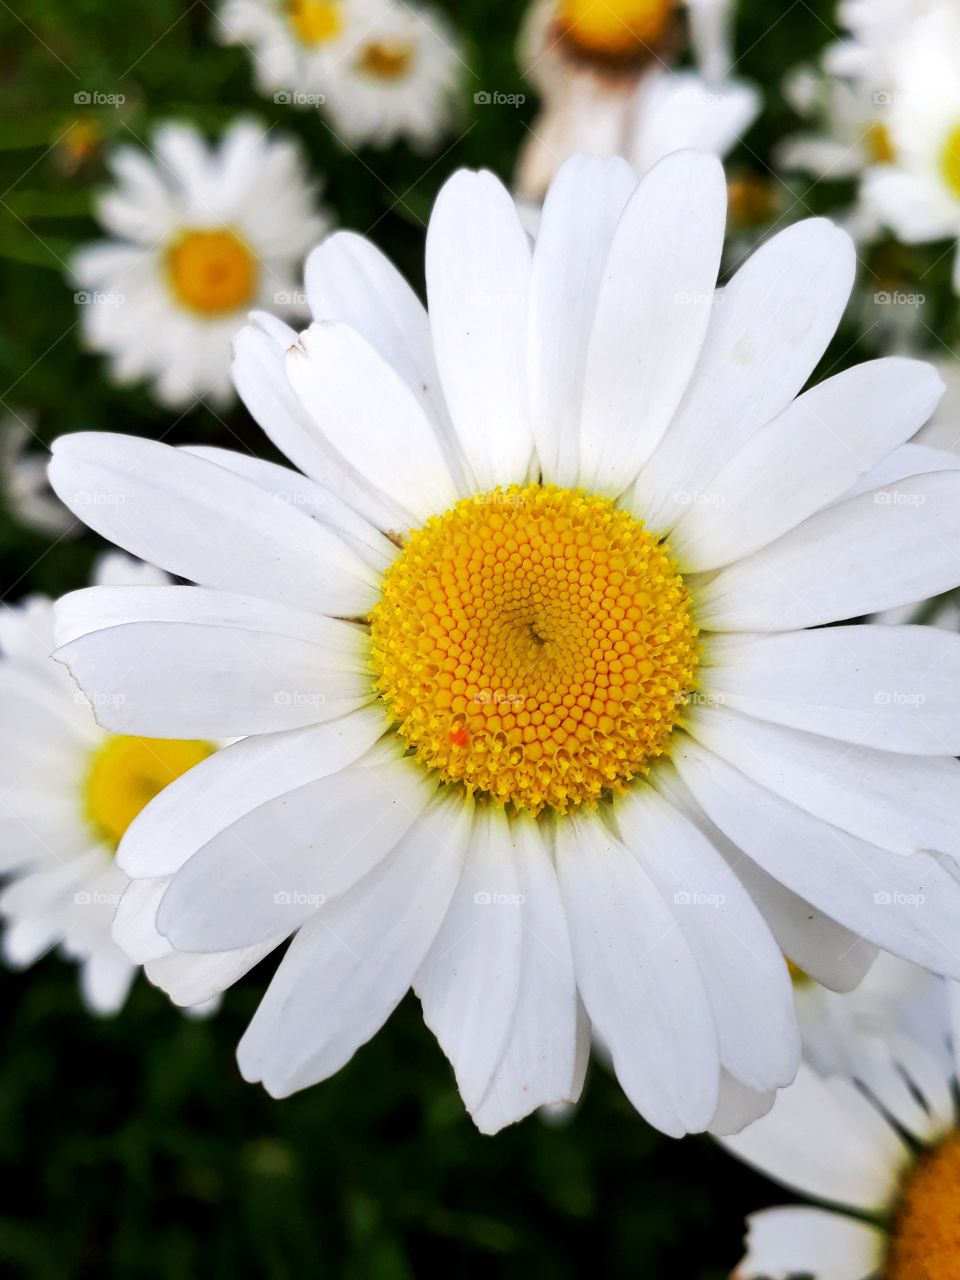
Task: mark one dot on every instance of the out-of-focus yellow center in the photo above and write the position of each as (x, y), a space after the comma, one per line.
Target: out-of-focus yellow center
(799, 977)
(212, 271)
(387, 59)
(879, 143)
(316, 21)
(925, 1236)
(536, 645)
(126, 773)
(614, 28)
(950, 161)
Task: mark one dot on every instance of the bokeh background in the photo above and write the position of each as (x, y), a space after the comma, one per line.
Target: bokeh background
(131, 1147)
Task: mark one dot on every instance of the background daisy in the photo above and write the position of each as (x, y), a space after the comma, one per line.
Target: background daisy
(200, 235)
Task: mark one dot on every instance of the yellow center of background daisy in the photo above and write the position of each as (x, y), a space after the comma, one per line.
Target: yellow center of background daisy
(126, 773)
(387, 59)
(950, 161)
(212, 271)
(316, 21)
(614, 28)
(925, 1242)
(880, 144)
(536, 645)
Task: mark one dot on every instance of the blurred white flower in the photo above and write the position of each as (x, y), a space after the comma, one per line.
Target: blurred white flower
(200, 235)
(607, 88)
(68, 791)
(380, 70)
(917, 192)
(23, 481)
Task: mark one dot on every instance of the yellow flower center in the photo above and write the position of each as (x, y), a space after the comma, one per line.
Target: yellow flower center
(879, 143)
(316, 21)
(535, 645)
(925, 1243)
(950, 161)
(614, 28)
(126, 773)
(387, 59)
(212, 271)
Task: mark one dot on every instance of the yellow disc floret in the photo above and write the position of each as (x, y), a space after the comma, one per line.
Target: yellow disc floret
(388, 60)
(615, 28)
(212, 272)
(536, 645)
(126, 773)
(950, 161)
(925, 1242)
(316, 21)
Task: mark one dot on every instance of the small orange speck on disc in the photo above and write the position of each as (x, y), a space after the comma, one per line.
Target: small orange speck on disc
(459, 737)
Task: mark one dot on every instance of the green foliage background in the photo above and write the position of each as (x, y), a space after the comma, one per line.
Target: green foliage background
(131, 1147)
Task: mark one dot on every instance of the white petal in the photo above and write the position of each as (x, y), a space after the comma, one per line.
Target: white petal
(901, 803)
(106, 977)
(271, 869)
(135, 924)
(795, 1240)
(192, 980)
(348, 279)
(213, 795)
(893, 688)
(738, 1106)
(185, 662)
(770, 326)
(349, 967)
(830, 954)
(824, 1139)
(469, 983)
(639, 981)
(198, 521)
(367, 413)
(872, 552)
(478, 281)
(539, 1065)
(741, 966)
(907, 905)
(652, 315)
(806, 458)
(580, 215)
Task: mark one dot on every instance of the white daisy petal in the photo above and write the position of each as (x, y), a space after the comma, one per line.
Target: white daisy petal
(135, 924)
(192, 980)
(741, 966)
(540, 1062)
(478, 283)
(349, 967)
(369, 415)
(806, 458)
(893, 688)
(771, 324)
(222, 789)
(738, 1107)
(824, 1139)
(323, 837)
(470, 982)
(795, 1240)
(162, 505)
(106, 977)
(901, 803)
(187, 662)
(639, 981)
(652, 314)
(907, 905)
(580, 216)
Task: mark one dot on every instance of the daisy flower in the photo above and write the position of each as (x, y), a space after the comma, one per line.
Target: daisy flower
(875, 1137)
(200, 235)
(608, 91)
(917, 194)
(544, 721)
(68, 791)
(382, 70)
(23, 480)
